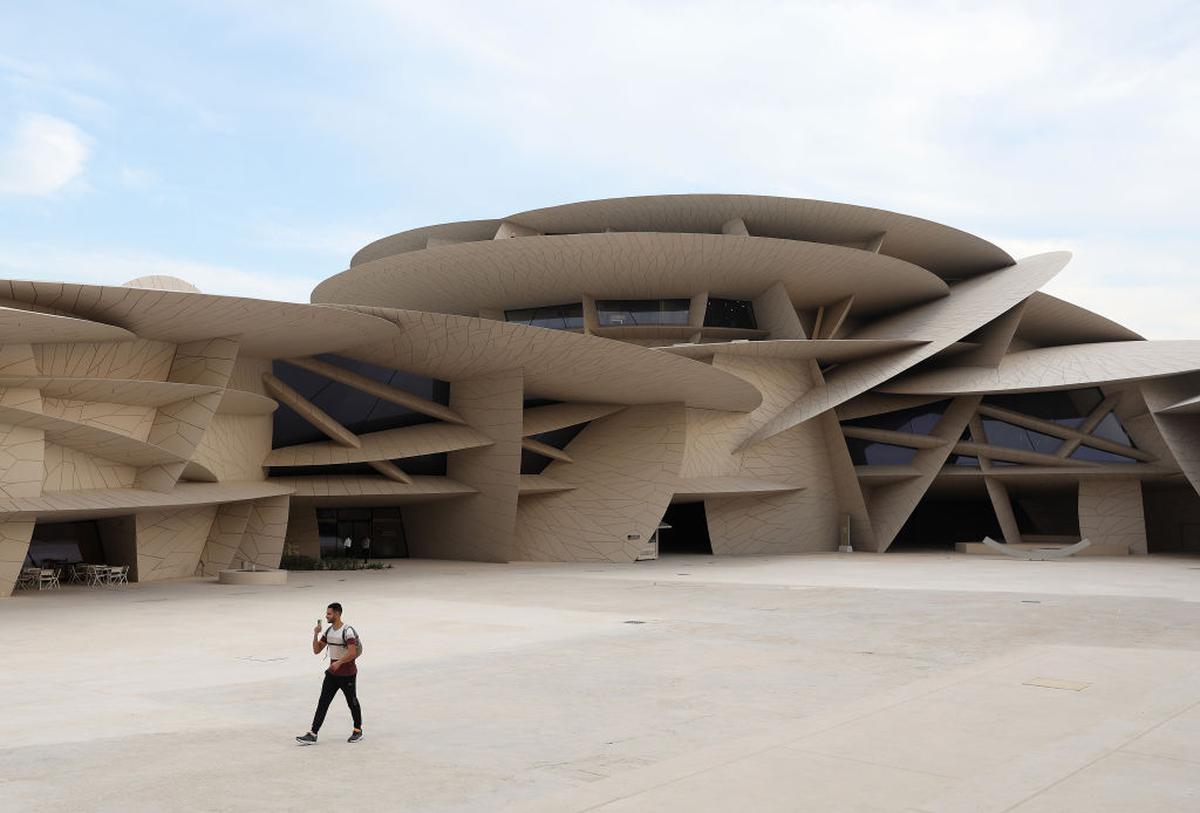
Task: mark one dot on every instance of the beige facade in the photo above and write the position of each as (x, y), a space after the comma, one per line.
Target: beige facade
(769, 375)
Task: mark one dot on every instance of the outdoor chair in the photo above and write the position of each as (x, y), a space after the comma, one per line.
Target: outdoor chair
(118, 575)
(95, 575)
(28, 578)
(48, 579)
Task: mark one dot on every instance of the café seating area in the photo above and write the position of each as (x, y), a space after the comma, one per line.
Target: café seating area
(89, 575)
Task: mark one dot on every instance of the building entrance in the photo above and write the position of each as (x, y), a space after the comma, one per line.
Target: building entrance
(383, 526)
(688, 532)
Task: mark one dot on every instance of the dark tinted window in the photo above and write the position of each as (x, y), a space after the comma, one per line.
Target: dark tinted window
(1066, 407)
(1097, 456)
(534, 463)
(917, 420)
(964, 460)
(730, 313)
(615, 312)
(556, 317)
(1110, 429)
(870, 453)
(1009, 436)
(422, 465)
(354, 409)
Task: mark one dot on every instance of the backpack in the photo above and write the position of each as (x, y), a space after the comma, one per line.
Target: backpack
(357, 638)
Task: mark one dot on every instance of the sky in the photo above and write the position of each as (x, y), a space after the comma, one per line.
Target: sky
(251, 147)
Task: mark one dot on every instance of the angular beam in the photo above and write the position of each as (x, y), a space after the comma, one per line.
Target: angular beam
(895, 438)
(390, 470)
(735, 226)
(310, 412)
(377, 388)
(545, 449)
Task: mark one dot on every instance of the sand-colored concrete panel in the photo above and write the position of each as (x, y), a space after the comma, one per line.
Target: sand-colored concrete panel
(971, 304)
(825, 350)
(234, 447)
(101, 502)
(266, 529)
(388, 444)
(557, 364)
(169, 543)
(69, 469)
(537, 420)
(545, 450)
(14, 546)
(143, 359)
(480, 526)
(110, 390)
(624, 475)
(369, 490)
(465, 277)
(1065, 367)
(265, 329)
(303, 533)
(17, 325)
(1111, 515)
(942, 249)
(224, 537)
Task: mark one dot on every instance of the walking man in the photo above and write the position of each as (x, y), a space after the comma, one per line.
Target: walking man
(341, 675)
(366, 549)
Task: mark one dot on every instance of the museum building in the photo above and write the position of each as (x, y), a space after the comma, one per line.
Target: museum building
(752, 375)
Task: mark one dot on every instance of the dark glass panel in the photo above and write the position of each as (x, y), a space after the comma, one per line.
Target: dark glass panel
(433, 465)
(737, 313)
(871, 453)
(534, 463)
(1054, 513)
(915, 420)
(1110, 429)
(555, 317)
(1000, 433)
(965, 460)
(1066, 407)
(1097, 456)
(354, 409)
(1003, 463)
(616, 312)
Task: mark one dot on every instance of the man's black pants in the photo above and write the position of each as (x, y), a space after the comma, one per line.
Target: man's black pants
(346, 683)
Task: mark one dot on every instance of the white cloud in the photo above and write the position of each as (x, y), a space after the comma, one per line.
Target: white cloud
(103, 267)
(41, 156)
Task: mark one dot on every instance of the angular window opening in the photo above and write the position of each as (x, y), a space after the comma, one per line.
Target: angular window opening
(1098, 456)
(1111, 429)
(737, 313)
(534, 463)
(1053, 513)
(964, 460)
(384, 526)
(871, 453)
(627, 312)
(1065, 407)
(915, 420)
(354, 409)
(554, 317)
(1010, 436)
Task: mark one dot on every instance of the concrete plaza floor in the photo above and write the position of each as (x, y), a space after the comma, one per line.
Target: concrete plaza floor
(928, 682)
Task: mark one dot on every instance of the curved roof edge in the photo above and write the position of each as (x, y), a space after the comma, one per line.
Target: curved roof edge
(944, 250)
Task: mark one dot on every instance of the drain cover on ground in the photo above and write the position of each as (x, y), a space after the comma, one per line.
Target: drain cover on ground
(1056, 683)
